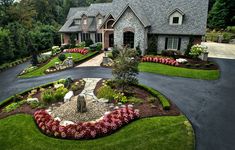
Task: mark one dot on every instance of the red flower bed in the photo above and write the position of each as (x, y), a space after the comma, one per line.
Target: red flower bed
(86, 130)
(77, 50)
(162, 60)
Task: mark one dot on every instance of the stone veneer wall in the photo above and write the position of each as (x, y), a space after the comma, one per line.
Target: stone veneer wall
(162, 38)
(129, 20)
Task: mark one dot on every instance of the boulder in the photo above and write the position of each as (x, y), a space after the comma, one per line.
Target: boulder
(66, 123)
(29, 100)
(68, 96)
(81, 104)
(56, 86)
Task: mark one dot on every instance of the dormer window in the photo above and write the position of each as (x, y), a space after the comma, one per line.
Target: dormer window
(85, 21)
(77, 21)
(176, 17)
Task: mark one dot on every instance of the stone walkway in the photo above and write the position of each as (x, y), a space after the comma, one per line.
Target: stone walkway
(94, 62)
(95, 108)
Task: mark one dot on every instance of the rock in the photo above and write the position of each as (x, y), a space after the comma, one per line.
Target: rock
(123, 106)
(81, 104)
(68, 96)
(102, 100)
(119, 104)
(130, 106)
(29, 100)
(111, 107)
(66, 123)
(57, 119)
(153, 106)
(106, 113)
(116, 107)
(56, 86)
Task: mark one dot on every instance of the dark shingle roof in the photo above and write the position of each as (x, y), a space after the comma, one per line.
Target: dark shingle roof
(153, 13)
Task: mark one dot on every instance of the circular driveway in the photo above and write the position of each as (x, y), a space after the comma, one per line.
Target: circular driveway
(209, 105)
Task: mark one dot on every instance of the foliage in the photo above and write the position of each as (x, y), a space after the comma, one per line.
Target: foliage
(60, 93)
(214, 36)
(197, 50)
(6, 50)
(14, 106)
(81, 45)
(35, 104)
(55, 50)
(221, 14)
(189, 46)
(62, 57)
(106, 92)
(125, 68)
(171, 53)
(48, 96)
(88, 42)
(152, 99)
(72, 40)
(115, 53)
(152, 45)
(120, 97)
(135, 100)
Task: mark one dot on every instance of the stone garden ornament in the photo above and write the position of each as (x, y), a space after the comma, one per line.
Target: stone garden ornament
(81, 104)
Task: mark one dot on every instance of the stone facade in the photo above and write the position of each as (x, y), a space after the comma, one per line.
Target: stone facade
(129, 20)
(162, 42)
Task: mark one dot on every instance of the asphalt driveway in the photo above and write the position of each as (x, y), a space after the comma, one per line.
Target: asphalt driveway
(209, 105)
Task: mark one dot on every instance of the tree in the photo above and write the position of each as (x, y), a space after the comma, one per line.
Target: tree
(6, 52)
(222, 14)
(125, 68)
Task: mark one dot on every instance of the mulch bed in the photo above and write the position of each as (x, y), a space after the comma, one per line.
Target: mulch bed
(147, 109)
(199, 64)
(26, 109)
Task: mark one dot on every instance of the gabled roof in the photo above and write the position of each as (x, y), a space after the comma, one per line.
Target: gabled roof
(153, 13)
(138, 12)
(105, 20)
(176, 10)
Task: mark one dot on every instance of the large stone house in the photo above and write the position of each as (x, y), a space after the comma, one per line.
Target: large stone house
(173, 23)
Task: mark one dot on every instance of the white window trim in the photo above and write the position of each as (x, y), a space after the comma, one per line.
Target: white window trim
(99, 21)
(173, 39)
(77, 21)
(176, 14)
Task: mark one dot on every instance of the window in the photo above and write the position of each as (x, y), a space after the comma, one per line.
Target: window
(98, 37)
(77, 21)
(85, 21)
(99, 21)
(175, 20)
(85, 36)
(128, 38)
(173, 43)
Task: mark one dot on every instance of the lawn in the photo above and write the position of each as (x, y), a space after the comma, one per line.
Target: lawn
(162, 133)
(179, 72)
(40, 71)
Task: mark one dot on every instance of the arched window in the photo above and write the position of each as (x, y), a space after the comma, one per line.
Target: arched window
(129, 39)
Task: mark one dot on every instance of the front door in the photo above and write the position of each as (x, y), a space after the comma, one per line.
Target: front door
(111, 40)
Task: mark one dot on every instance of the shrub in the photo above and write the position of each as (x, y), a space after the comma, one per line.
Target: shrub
(88, 42)
(110, 55)
(115, 53)
(152, 99)
(99, 46)
(77, 86)
(14, 106)
(81, 45)
(60, 93)
(17, 98)
(135, 100)
(48, 96)
(61, 81)
(120, 98)
(105, 92)
(35, 104)
(197, 50)
(162, 60)
(62, 57)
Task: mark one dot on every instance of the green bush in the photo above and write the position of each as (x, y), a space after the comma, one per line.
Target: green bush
(152, 99)
(120, 98)
(110, 55)
(99, 46)
(81, 45)
(60, 93)
(105, 92)
(14, 106)
(135, 100)
(35, 104)
(62, 57)
(115, 53)
(48, 96)
(88, 42)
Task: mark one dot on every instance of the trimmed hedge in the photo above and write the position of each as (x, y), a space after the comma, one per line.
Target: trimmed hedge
(13, 64)
(164, 101)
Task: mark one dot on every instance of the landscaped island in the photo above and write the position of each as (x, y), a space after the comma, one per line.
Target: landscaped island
(50, 111)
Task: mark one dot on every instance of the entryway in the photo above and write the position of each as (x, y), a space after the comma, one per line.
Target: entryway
(129, 39)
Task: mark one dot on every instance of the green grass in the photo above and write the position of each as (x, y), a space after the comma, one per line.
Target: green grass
(161, 133)
(40, 71)
(179, 72)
